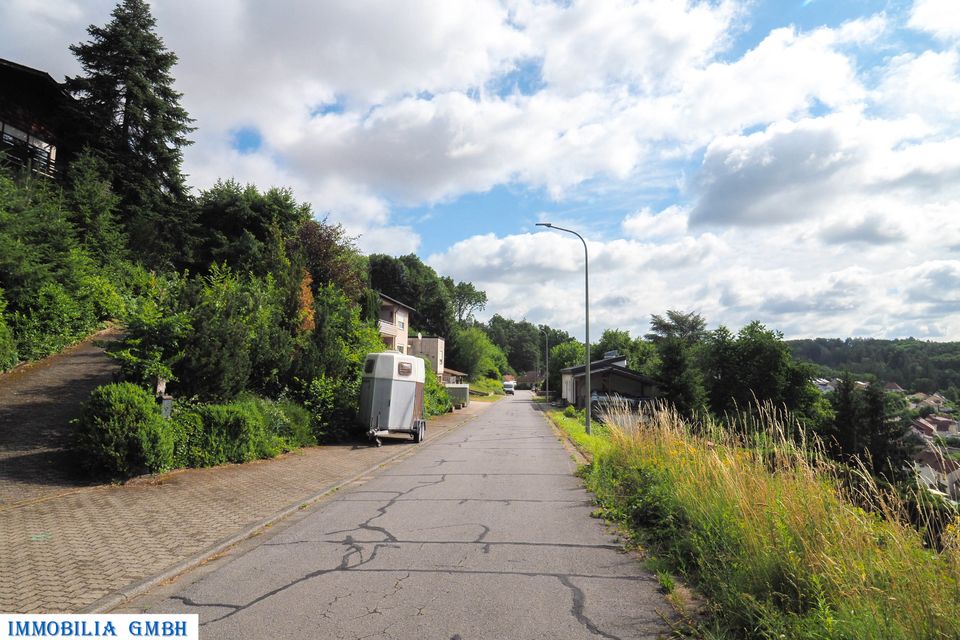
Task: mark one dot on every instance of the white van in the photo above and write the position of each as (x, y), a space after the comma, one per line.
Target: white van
(509, 386)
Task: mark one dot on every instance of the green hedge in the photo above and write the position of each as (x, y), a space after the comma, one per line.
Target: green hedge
(122, 434)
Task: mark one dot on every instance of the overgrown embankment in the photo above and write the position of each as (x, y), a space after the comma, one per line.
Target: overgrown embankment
(769, 531)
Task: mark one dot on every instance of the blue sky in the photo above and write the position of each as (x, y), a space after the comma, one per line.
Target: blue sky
(793, 162)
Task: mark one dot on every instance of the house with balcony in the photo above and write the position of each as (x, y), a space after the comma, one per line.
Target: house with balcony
(394, 323)
(38, 120)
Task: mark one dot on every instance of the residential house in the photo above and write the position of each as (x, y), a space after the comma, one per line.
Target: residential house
(431, 348)
(825, 385)
(939, 473)
(933, 401)
(893, 387)
(924, 428)
(394, 323)
(945, 425)
(38, 120)
(609, 377)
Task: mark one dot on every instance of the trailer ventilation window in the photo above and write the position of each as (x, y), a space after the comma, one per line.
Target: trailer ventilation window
(405, 368)
(368, 367)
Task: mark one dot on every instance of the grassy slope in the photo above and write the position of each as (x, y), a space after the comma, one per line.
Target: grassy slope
(766, 534)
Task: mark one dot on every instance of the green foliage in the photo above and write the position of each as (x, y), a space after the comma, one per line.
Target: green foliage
(487, 385)
(92, 209)
(156, 333)
(52, 321)
(471, 351)
(332, 258)
(8, 347)
(681, 383)
(916, 365)
(863, 428)
(216, 360)
(689, 327)
(774, 542)
(332, 403)
(465, 298)
(136, 123)
(412, 282)
(243, 228)
(563, 355)
(436, 400)
(121, 433)
(249, 428)
(521, 342)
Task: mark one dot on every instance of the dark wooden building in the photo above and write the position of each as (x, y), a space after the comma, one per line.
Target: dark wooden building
(609, 379)
(38, 121)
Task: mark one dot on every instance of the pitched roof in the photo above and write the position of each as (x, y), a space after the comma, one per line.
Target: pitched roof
(937, 461)
(595, 364)
(389, 299)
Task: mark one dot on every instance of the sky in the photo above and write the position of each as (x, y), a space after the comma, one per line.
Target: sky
(795, 162)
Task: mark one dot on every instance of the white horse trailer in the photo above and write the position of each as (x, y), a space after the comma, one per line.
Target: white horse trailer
(391, 396)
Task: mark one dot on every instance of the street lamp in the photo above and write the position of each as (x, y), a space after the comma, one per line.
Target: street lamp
(586, 306)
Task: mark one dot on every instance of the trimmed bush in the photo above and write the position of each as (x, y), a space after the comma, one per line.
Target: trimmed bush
(235, 433)
(121, 433)
(8, 347)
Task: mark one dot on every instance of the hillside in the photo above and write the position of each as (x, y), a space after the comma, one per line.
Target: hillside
(916, 365)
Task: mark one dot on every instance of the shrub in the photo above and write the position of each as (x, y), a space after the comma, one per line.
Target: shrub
(216, 355)
(209, 435)
(54, 320)
(237, 432)
(8, 347)
(104, 298)
(332, 403)
(121, 433)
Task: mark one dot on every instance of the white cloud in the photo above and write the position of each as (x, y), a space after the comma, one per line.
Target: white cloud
(939, 17)
(648, 225)
(588, 45)
(822, 178)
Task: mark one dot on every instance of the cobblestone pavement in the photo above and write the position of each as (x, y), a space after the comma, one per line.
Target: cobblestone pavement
(37, 402)
(61, 553)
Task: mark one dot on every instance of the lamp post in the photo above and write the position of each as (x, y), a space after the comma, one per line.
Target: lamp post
(546, 358)
(586, 306)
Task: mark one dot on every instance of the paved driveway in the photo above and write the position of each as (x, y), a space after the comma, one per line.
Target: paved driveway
(484, 533)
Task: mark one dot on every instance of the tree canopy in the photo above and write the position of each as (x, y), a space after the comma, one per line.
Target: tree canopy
(136, 123)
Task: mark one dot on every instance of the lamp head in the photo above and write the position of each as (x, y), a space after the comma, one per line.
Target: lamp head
(544, 224)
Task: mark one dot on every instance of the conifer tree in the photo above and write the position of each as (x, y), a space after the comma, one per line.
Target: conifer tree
(136, 122)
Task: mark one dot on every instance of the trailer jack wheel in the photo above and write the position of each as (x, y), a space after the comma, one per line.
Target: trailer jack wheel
(378, 442)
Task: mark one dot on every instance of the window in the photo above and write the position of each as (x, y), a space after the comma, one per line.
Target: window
(368, 367)
(400, 324)
(400, 348)
(405, 368)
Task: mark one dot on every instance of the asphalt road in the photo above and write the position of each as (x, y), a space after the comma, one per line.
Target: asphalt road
(484, 533)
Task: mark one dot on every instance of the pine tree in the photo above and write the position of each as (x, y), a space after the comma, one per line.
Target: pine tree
(136, 122)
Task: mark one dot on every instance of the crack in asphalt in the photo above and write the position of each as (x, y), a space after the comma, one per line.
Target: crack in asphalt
(382, 510)
(576, 609)
(352, 548)
(502, 543)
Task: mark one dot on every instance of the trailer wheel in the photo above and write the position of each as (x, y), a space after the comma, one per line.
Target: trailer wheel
(418, 434)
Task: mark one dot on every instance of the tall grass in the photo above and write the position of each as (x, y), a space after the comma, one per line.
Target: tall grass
(769, 529)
